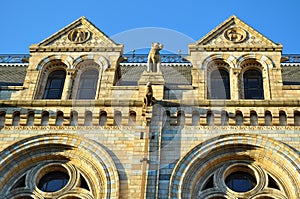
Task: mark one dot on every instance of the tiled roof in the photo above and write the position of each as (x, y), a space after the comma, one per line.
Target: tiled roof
(291, 74)
(12, 74)
(174, 74)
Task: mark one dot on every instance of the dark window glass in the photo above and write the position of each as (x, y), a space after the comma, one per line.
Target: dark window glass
(55, 85)
(253, 85)
(53, 181)
(88, 85)
(219, 85)
(240, 181)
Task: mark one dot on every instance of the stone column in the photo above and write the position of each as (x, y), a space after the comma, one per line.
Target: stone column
(234, 83)
(68, 85)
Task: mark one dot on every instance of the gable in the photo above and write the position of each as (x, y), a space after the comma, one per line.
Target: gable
(234, 33)
(80, 33)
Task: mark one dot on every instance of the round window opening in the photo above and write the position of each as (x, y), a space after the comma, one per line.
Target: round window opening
(240, 181)
(53, 181)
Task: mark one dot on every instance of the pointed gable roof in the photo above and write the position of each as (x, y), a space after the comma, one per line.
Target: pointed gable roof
(81, 33)
(235, 34)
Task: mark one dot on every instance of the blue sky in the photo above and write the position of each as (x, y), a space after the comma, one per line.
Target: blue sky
(28, 22)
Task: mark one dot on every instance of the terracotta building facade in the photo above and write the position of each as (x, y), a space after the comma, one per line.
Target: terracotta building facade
(79, 119)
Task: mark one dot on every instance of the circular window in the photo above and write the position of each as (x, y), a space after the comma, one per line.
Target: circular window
(240, 181)
(53, 181)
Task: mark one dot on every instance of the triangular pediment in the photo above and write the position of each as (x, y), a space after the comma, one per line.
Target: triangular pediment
(80, 33)
(234, 33)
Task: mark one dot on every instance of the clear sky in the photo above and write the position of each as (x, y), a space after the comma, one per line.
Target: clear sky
(26, 22)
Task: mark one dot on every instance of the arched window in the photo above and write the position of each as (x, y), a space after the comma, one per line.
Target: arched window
(180, 118)
(55, 84)
(282, 118)
(268, 118)
(195, 118)
(30, 119)
(103, 118)
(219, 87)
(132, 118)
(297, 118)
(239, 119)
(59, 118)
(209, 118)
(16, 118)
(74, 118)
(253, 84)
(224, 118)
(117, 118)
(45, 118)
(88, 119)
(88, 84)
(253, 118)
(2, 119)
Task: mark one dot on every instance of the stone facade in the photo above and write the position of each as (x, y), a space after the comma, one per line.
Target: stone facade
(224, 123)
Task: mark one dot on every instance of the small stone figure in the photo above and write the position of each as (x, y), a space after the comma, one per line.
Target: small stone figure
(154, 60)
(149, 99)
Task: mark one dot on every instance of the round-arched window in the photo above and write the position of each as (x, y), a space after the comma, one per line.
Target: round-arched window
(53, 181)
(240, 181)
(253, 84)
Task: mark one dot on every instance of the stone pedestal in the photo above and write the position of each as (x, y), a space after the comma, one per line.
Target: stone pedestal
(156, 78)
(157, 83)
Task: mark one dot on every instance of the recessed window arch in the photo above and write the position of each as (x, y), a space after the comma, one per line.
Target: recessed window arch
(30, 118)
(2, 119)
(282, 118)
(88, 84)
(88, 119)
(296, 118)
(16, 118)
(195, 118)
(239, 118)
(74, 118)
(45, 118)
(253, 118)
(103, 118)
(219, 84)
(59, 118)
(132, 118)
(253, 84)
(55, 84)
(210, 118)
(224, 118)
(180, 118)
(117, 118)
(268, 118)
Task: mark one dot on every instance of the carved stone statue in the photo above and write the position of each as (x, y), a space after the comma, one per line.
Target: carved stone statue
(154, 60)
(149, 99)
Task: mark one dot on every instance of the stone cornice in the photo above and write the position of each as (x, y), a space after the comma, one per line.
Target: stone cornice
(139, 103)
